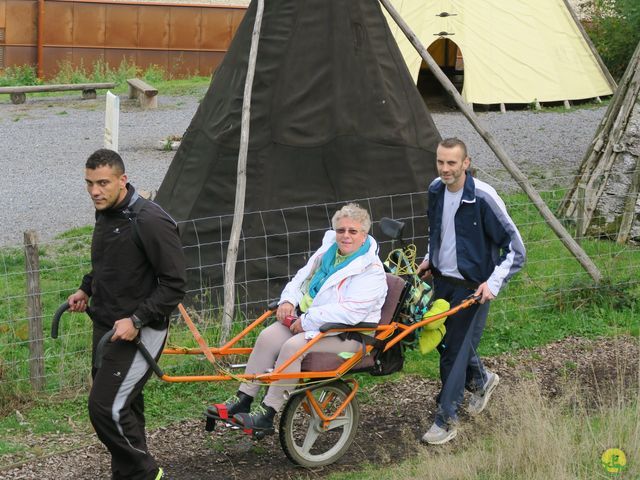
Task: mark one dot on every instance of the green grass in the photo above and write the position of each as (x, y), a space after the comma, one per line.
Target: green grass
(101, 72)
(551, 299)
(533, 439)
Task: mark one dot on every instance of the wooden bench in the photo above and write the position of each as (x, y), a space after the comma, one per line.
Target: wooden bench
(18, 94)
(145, 93)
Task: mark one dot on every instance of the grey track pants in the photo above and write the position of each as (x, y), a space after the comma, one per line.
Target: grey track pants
(275, 345)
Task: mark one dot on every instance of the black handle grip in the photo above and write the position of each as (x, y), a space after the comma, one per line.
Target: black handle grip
(55, 323)
(148, 357)
(106, 338)
(56, 319)
(474, 297)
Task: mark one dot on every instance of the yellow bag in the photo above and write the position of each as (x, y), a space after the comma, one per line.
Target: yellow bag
(437, 307)
(433, 333)
(430, 339)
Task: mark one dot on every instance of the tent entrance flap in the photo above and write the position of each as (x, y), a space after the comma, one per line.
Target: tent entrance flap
(450, 59)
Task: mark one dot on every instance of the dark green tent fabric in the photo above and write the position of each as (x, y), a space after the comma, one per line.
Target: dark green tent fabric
(334, 116)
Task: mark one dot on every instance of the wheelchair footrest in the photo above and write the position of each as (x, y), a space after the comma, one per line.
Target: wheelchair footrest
(259, 433)
(218, 412)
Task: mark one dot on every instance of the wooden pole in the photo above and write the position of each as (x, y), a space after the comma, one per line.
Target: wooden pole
(600, 157)
(40, 38)
(629, 213)
(511, 167)
(580, 226)
(34, 310)
(238, 212)
(594, 52)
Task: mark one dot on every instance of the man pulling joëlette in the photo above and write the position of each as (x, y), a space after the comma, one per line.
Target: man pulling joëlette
(137, 279)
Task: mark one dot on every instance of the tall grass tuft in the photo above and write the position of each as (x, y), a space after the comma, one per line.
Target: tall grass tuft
(99, 72)
(19, 75)
(526, 435)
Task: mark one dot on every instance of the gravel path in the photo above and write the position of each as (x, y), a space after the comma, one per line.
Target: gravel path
(46, 141)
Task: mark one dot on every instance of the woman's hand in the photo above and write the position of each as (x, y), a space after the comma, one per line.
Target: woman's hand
(296, 327)
(285, 309)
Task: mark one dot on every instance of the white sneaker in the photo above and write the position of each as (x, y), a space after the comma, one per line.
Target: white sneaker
(479, 400)
(437, 435)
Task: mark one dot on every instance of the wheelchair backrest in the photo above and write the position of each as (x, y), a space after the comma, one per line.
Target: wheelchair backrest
(397, 289)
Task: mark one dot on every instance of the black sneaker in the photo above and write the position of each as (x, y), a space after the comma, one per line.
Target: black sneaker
(239, 403)
(261, 419)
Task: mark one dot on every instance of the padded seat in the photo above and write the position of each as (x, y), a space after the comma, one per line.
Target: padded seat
(323, 361)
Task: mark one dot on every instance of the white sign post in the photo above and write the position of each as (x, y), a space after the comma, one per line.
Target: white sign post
(111, 122)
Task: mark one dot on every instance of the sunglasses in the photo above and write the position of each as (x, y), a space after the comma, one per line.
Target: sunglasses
(351, 231)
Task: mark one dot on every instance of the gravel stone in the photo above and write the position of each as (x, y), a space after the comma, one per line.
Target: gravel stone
(46, 141)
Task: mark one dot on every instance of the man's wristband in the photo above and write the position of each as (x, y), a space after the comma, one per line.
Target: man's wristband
(136, 321)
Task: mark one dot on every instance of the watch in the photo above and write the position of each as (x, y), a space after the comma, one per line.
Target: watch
(136, 321)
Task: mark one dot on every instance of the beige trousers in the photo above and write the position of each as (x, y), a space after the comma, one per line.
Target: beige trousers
(275, 345)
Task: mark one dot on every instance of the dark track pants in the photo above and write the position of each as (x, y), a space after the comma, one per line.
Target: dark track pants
(460, 367)
(116, 404)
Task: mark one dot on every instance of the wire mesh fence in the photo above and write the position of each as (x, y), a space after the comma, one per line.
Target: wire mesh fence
(552, 289)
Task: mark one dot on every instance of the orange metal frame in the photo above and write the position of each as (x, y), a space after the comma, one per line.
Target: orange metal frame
(326, 420)
(381, 332)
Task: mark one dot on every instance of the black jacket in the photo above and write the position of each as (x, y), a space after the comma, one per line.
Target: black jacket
(125, 279)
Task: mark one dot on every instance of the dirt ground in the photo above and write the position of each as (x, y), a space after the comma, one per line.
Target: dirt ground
(393, 418)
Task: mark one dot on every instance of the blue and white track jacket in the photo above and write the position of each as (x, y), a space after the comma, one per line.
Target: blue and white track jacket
(488, 245)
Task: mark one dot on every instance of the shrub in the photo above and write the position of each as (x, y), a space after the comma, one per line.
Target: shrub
(154, 74)
(67, 73)
(19, 75)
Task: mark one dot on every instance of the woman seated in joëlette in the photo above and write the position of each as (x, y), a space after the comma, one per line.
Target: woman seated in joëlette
(343, 282)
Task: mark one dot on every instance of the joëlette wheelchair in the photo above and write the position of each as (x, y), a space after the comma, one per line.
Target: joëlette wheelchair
(320, 418)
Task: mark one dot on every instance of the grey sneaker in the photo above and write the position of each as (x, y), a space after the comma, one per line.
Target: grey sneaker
(437, 435)
(479, 400)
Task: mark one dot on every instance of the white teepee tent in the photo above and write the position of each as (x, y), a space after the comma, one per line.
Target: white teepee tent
(515, 51)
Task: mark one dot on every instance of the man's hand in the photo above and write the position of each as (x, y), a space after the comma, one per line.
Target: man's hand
(124, 330)
(484, 293)
(296, 327)
(424, 271)
(285, 309)
(78, 301)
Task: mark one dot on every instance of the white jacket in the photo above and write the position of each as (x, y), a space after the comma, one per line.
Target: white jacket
(351, 295)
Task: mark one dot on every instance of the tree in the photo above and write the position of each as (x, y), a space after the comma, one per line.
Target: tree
(615, 31)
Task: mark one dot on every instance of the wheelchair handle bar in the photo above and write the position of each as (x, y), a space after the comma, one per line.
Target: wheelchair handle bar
(55, 323)
(106, 338)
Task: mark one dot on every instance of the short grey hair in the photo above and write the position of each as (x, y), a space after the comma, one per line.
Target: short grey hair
(354, 212)
(453, 142)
